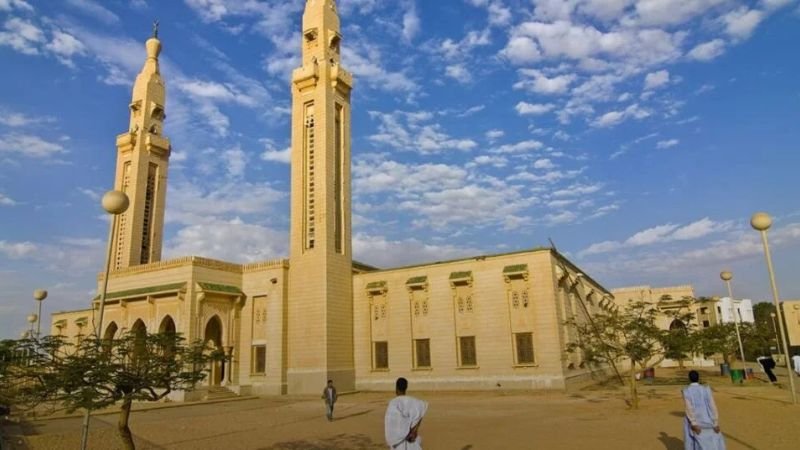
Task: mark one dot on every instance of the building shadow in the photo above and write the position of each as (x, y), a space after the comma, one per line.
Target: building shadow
(670, 442)
(339, 442)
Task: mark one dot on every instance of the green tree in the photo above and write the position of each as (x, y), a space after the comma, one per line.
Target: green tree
(97, 374)
(679, 340)
(617, 334)
(718, 339)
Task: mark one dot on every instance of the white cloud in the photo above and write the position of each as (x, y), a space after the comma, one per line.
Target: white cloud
(386, 253)
(22, 36)
(6, 200)
(95, 10)
(707, 50)
(543, 163)
(14, 119)
(669, 12)
(535, 109)
(519, 147)
(8, 5)
(669, 143)
(29, 146)
(236, 161)
(656, 80)
(660, 234)
(536, 81)
(228, 240)
(740, 23)
(273, 154)
(17, 250)
(458, 72)
(577, 190)
(613, 118)
(411, 22)
(199, 203)
(64, 46)
(521, 50)
(414, 135)
(493, 135)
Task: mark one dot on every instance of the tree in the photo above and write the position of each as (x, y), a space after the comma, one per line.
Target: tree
(720, 339)
(95, 374)
(615, 334)
(678, 340)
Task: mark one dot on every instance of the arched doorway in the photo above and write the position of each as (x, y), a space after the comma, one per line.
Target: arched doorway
(139, 331)
(167, 325)
(111, 331)
(677, 325)
(213, 342)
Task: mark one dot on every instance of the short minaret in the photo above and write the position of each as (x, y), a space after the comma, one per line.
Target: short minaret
(320, 319)
(142, 160)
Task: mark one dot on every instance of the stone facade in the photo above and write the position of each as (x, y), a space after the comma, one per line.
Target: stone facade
(494, 321)
(791, 320)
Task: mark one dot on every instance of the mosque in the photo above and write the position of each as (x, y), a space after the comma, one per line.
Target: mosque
(288, 325)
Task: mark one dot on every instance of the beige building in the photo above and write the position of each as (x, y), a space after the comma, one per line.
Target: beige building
(791, 318)
(289, 325)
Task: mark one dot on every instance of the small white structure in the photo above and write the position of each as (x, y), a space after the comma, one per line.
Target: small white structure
(743, 310)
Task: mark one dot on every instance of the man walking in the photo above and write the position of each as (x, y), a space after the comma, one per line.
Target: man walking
(329, 394)
(403, 417)
(767, 363)
(701, 425)
(796, 363)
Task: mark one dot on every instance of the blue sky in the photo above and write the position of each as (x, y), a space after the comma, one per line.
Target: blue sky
(640, 135)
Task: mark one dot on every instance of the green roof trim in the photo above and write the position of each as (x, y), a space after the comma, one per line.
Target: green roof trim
(418, 280)
(143, 291)
(516, 268)
(376, 285)
(459, 275)
(214, 287)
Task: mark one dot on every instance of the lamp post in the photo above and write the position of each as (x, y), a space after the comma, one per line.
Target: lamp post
(775, 329)
(32, 318)
(39, 295)
(761, 222)
(727, 276)
(114, 203)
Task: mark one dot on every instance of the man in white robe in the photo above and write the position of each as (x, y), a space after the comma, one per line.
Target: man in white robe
(402, 420)
(796, 363)
(701, 425)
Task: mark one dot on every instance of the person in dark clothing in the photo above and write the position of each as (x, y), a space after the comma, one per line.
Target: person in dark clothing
(767, 363)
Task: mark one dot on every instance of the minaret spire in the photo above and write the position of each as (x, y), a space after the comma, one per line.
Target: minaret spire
(320, 316)
(142, 161)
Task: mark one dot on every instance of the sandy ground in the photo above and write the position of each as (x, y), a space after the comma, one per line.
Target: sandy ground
(753, 416)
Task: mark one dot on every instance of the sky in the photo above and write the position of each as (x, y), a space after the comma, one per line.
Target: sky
(638, 135)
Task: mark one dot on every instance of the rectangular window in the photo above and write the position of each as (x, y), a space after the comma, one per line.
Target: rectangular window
(259, 358)
(422, 353)
(381, 357)
(338, 142)
(524, 344)
(308, 176)
(466, 346)
(706, 324)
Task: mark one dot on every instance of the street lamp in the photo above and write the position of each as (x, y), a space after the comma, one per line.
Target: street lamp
(39, 295)
(727, 276)
(32, 318)
(114, 203)
(761, 222)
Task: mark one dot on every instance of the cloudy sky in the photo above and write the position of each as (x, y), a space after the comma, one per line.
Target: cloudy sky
(640, 135)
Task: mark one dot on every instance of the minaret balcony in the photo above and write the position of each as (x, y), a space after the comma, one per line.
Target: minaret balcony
(157, 144)
(126, 141)
(306, 76)
(341, 78)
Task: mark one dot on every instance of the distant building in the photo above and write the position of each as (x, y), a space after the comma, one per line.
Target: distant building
(791, 318)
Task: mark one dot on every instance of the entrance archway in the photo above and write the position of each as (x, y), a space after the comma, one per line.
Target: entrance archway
(213, 342)
(167, 325)
(111, 331)
(139, 331)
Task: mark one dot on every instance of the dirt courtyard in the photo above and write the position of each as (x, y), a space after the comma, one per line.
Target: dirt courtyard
(753, 416)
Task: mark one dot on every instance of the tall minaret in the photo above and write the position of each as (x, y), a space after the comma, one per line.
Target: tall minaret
(320, 320)
(142, 159)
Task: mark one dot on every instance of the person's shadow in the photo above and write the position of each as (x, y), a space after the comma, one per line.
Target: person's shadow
(670, 443)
